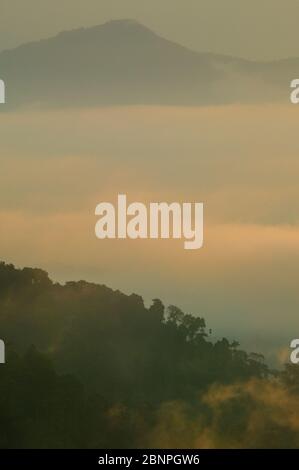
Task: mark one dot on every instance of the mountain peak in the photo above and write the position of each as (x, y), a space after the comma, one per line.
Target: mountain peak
(112, 27)
(125, 25)
(126, 22)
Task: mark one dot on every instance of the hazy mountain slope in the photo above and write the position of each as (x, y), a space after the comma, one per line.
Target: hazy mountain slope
(123, 62)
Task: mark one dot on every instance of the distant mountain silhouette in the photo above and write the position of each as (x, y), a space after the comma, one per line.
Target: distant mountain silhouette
(123, 62)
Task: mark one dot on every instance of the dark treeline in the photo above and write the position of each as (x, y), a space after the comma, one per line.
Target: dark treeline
(91, 367)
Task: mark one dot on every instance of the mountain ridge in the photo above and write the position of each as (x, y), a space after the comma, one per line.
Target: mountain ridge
(122, 62)
(132, 22)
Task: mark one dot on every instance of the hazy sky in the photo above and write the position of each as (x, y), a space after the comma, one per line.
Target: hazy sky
(57, 165)
(262, 29)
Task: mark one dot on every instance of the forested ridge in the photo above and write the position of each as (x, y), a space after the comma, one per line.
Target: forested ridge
(90, 367)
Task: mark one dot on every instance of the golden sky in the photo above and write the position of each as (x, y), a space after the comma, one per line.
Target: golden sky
(241, 161)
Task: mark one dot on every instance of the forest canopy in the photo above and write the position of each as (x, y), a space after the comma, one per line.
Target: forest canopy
(88, 366)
